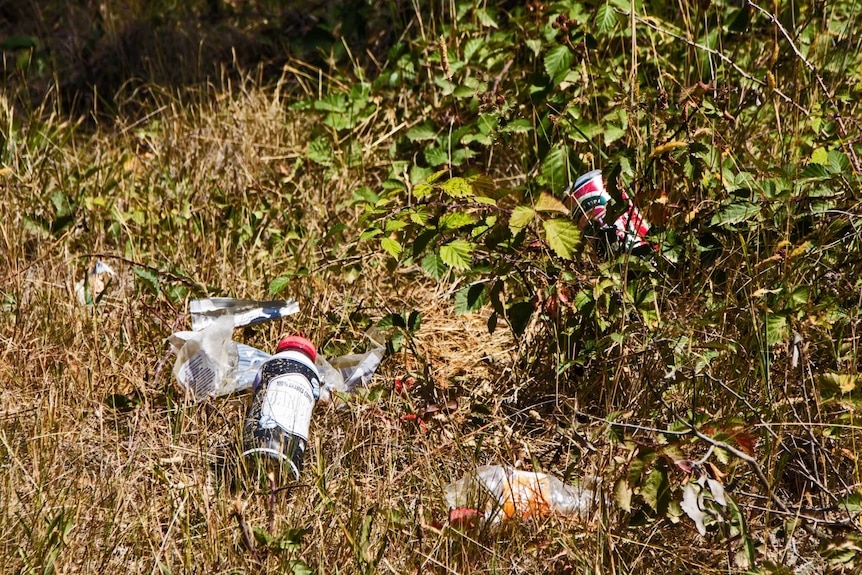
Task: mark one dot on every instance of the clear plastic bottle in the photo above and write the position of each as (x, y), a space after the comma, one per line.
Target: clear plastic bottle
(285, 392)
(498, 492)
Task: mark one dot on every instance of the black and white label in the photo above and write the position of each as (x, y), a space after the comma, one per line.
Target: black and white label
(287, 404)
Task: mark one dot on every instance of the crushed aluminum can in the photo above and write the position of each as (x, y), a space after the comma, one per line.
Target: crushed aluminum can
(589, 197)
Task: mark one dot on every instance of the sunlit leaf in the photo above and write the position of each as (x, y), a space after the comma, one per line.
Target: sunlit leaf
(457, 188)
(548, 203)
(456, 254)
(606, 19)
(623, 495)
(562, 236)
(422, 190)
(555, 168)
(665, 148)
(520, 218)
(820, 156)
(277, 285)
(391, 246)
(777, 329)
(455, 220)
(838, 383)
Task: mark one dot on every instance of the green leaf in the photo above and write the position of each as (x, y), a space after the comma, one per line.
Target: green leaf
(838, 383)
(434, 266)
(520, 218)
(470, 298)
(320, 152)
(436, 156)
(735, 213)
(555, 168)
(518, 127)
(18, 43)
(422, 190)
(421, 133)
(838, 162)
(656, 491)
(419, 217)
(365, 194)
(395, 225)
(518, 315)
(558, 62)
(332, 103)
(820, 156)
(562, 236)
(456, 254)
(455, 220)
(277, 285)
(606, 18)
(262, 536)
(436, 176)
(776, 329)
(485, 18)
(852, 503)
(370, 233)
(457, 188)
(151, 279)
(392, 246)
(299, 567)
(548, 203)
(472, 46)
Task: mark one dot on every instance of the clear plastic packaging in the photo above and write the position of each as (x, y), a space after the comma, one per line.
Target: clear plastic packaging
(210, 364)
(244, 311)
(500, 493)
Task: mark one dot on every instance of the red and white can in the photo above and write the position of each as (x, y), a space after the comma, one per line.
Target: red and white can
(589, 197)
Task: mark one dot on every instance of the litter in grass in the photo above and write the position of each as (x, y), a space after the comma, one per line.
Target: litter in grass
(210, 364)
(93, 286)
(500, 493)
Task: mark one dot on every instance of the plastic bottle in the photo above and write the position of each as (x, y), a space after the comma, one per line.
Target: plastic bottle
(285, 392)
(498, 492)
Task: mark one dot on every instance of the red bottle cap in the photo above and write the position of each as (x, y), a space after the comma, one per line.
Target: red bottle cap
(298, 343)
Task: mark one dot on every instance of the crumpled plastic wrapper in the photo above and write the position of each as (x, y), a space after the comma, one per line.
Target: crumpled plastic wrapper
(92, 287)
(210, 364)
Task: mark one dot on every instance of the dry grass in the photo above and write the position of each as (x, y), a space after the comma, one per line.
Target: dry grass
(106, 467)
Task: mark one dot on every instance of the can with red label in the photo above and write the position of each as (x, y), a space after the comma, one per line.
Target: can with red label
(589, 198)
(285, 391)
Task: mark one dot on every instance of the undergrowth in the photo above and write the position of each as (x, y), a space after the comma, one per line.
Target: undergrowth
(407, 167)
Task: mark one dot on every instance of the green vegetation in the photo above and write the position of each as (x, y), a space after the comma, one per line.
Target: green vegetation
(405, 165)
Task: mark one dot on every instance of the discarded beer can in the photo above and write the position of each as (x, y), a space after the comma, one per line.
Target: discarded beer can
(589, 197)
(285, 392)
